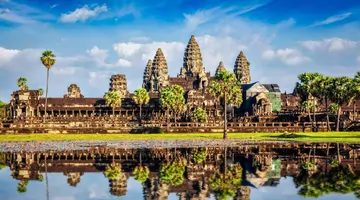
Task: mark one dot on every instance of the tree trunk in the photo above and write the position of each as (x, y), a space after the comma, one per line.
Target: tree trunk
(140, 114)
(314, 116)
(46, 93)
(225, 117)
(167, 120)
(354, 108)
(338, 119)
(175, 115)
(327, 157)
(113, 111)
(327, 115)
(46, 179)
(310, 120)
(338, 152)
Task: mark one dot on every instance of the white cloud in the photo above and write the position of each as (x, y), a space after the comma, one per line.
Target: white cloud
(6, 55)
(288, 56)
(333, 19)
(54, 6)
(123, 63)
(140, 39)
(8, 15)
(331, 44)
(82, 14)
(64, 70)
(192, 21)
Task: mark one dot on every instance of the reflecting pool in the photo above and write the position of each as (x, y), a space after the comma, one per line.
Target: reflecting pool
(247, 170)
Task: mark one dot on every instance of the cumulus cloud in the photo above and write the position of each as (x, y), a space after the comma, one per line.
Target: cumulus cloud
(288, 56)
(333, 19)
(82, 14)
(330, 44)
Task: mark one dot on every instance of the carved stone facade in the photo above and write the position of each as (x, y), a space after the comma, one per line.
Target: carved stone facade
(193, 65)
(73, 92)
(242, 69)
(118, 83)
(156, 77)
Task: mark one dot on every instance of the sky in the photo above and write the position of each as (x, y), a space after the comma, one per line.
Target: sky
(93, 40)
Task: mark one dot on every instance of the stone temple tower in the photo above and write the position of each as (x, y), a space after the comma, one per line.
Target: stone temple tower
(241, 69)
(147, 75)
(118, 83)
(193, 64)
(159, 76)
(220, 68)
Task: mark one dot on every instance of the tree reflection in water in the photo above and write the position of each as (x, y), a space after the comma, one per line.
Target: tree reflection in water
(341, 179)
(198, 173)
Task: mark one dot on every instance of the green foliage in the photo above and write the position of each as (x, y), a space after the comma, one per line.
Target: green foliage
(22, 186)
(333, 108)
(113, 99)
(333, 162)
(307, 106)
(48, 59)
(2, 161)
(113, 171)
(199, 155)
(141, 173)
(225, 83)
(2, 108)
(307, 165)
(173, 172)
(41, 91)
(341, 180)
(225, 185)
(141, 96)
(199, 115)
(172, 98)
(306, 85)
(22, 83)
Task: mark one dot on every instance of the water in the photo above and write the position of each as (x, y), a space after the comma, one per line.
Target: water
(268, 170)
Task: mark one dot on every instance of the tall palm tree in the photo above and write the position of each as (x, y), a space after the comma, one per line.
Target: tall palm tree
(48, 60)
(356, 87)
(141, 97)
(113, 99)
(22, 83)
(228, 89)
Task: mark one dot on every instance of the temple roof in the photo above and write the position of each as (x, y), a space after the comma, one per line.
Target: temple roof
(272, 87)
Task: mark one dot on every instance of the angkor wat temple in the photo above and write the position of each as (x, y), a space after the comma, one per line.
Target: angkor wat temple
(258, 99)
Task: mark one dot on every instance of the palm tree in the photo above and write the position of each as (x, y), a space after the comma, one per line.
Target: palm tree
(22, 83)
(41, 91)
(307, 88)
(342, 92)
(172, 98)
(323, 89)
(356, 87)
(308, 106)
(228, 89)
(141, 97)
(48, 60)
(113, 99)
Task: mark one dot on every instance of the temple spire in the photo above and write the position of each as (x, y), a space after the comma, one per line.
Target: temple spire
(193, 64)
(242, 69)
(220, 68)
(159, 76)
(147, 74)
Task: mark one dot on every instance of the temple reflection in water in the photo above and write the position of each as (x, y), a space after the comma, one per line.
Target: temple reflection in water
(198, 173)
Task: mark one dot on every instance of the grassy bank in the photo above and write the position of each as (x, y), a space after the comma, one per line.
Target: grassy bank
(318, 136)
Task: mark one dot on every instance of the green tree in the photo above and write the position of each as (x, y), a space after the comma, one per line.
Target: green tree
(3, 109)
(227, 89)
(173, 172)
(341, 93)
(307, 89)
(323, 90)
(356, 93)
(199, 115)
(22, 83)
(41, 91)
(141, 173)
(113, 99)
(48, 60)
(199, 155)
(141, 97)
(22, 186)
(172, 98)
(307, 106)
(113, 171)
(333, 108)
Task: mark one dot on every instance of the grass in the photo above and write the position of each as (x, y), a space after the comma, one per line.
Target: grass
(353, 137)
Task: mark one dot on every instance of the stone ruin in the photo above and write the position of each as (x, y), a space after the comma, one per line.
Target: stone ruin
(242, 69)
(73, 92)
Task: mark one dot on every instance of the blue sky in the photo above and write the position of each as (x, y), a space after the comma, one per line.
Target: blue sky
(95, 39)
